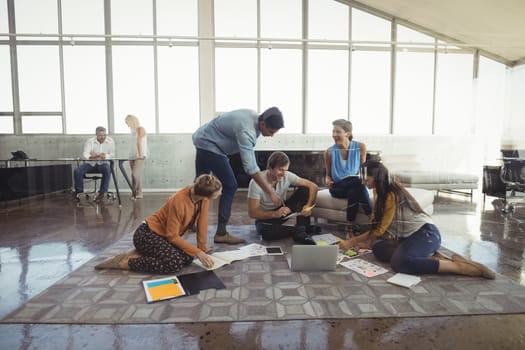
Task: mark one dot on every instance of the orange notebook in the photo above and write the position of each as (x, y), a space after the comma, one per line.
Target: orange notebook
(163, 289)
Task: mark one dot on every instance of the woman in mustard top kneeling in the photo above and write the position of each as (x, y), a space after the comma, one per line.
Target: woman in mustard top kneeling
(416, 239)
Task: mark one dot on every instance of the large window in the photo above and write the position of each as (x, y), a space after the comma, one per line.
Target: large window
(321, 12)
(6, 102)
(85, 89)
(42, 124)
(281, 19)
(39, 78)
(339, 66)
(133, 86)
(4, 22)
(327, 89)
(177, 17)
(281, 81)
(367, 27)
(370, 91)
(490, 102)
(239, 23)
(370, 75)
(414, 86)
(413, 94)
(178, 89)
(83, 17)
(131, 17)
(34, 17)
(235, 79)
(6, 125)
(454, 100)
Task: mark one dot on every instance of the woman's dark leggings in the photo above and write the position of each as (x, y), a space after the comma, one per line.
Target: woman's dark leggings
(356, 194)
(158, 255)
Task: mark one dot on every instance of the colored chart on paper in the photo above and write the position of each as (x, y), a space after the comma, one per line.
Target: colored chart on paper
(162, 289)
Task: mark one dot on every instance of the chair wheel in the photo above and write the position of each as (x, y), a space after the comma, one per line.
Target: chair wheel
(508, 208)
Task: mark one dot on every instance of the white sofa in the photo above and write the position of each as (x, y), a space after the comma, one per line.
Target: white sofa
(411, 174)
(334, 209)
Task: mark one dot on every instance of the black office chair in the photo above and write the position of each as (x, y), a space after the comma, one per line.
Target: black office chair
(492, 184)
(513, 176)
(94, 178)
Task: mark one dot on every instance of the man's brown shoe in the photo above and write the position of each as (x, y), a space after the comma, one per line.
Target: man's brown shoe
(100, 197)
(228, 239)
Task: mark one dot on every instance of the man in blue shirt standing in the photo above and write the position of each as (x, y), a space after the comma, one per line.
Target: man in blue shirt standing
(234, 132)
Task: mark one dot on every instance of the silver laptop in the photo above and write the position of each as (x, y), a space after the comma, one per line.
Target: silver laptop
(314, 257)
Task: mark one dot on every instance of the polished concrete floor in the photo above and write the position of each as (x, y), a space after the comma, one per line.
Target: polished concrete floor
(44, 239)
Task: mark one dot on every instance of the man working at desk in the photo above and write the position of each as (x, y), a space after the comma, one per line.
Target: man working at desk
(97, 149)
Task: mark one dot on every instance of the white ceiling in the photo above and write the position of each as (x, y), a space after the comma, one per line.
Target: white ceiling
(495, 26)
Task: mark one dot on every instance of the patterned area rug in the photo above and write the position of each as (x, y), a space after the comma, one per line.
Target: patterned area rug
(263, 288)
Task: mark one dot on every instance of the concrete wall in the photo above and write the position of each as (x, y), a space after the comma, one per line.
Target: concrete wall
(171, 162)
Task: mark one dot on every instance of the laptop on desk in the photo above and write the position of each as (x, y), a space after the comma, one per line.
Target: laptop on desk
(314, 258)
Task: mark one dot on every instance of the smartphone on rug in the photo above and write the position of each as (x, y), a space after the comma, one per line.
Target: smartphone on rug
(274, 250)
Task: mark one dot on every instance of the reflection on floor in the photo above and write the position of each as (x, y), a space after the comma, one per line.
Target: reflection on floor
(43, 240)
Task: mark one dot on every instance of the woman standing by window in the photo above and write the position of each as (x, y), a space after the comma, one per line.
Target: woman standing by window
(137, 154)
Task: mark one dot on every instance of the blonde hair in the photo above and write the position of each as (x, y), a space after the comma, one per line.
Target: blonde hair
(132, 121)
(206, 185)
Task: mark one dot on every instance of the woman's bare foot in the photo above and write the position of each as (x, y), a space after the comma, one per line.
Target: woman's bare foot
(472, 268)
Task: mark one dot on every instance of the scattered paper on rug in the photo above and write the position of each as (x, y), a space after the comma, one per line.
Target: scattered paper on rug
(263, 288)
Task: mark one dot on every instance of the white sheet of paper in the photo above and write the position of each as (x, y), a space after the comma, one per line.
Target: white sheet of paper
(291, 215)
(254, 249)
(217, 262)
(227, 257)
(404, 280)
(326, 239)
(233, 255)
(364, 267)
